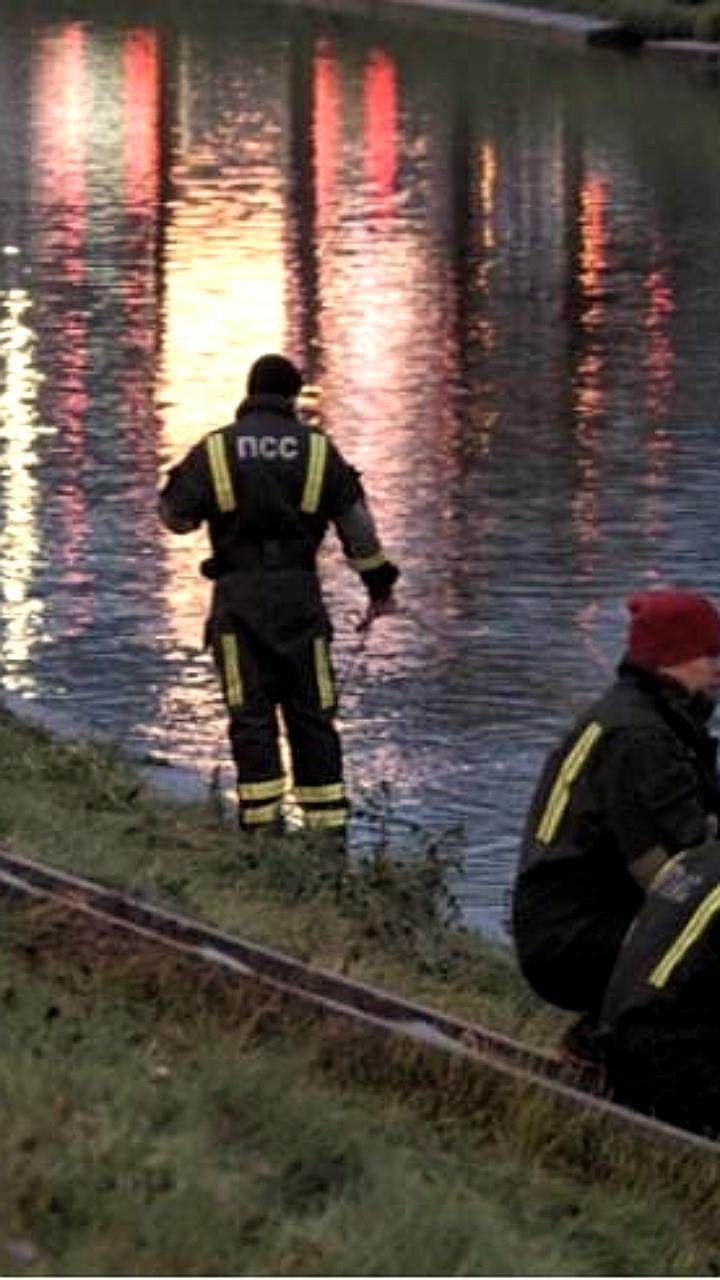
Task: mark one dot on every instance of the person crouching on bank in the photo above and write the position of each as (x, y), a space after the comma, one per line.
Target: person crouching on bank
(631, 784)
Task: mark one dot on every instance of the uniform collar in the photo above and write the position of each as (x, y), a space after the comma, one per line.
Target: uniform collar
(267, 402)
(695, 707)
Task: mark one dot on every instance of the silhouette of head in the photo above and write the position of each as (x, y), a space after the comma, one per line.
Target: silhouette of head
(274, 375)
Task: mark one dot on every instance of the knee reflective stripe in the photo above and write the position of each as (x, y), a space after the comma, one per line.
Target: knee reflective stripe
(220, 472)
(364, 564)
(695, 927)
(315, 473)
(329, 792)
(232, 676)
(559, 797)
(323, 673)
(261, 815)
(272, 789)
(326, 817)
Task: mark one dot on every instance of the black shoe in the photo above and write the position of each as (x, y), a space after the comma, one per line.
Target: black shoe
(580, 1046)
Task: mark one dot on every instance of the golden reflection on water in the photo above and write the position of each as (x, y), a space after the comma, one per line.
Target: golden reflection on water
(224, 296)
(19, 537)
(224, 262)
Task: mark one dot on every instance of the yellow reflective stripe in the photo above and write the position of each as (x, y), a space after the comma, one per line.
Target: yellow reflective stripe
(696, 925)
(319, 795)
(364, 563)
(231, 669)
(263, 814)
(326, 817)
(567, 773)
(272, 789)
(315, 473)
(323, 673)
(220, 472)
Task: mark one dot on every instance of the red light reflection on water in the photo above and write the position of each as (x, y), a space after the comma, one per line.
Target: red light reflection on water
(141, 112)
(60, 146)
(326, 127)
(60, 132)
(381, 123)
(142, 185)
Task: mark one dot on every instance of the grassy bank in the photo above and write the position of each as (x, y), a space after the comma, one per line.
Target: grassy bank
(160, 1124)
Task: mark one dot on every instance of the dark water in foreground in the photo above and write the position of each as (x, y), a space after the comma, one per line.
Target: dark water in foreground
(500, 262)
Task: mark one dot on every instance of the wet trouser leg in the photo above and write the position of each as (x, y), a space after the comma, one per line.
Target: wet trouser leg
(248, 687)
(309, 704)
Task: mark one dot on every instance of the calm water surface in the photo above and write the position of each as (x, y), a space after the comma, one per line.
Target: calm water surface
(499, 261)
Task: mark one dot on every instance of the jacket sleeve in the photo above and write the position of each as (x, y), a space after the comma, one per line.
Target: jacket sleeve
(185, 499)
(653, 796)
(348, 508)
(360, 542)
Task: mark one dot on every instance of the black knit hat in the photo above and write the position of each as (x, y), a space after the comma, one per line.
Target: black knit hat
(274, 375)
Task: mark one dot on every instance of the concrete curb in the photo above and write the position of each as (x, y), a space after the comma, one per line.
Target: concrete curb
(690, 55)
(567, 26)
(571, 28)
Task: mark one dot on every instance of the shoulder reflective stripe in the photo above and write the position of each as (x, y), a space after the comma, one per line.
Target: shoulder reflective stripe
(363, 564)
(567, 773)
(315, 473)
(321, 795)
(323, 673)
(272, 789)
(220, 472)
(232, 676)
(695, 927)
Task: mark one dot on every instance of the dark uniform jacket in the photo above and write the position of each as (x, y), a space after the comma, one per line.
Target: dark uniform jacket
(660, 1021)
(632, 783)
(268, 485)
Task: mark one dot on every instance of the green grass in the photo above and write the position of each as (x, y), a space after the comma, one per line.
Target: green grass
(160, 1120)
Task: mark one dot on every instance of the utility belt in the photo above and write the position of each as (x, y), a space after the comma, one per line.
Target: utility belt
(260, 554)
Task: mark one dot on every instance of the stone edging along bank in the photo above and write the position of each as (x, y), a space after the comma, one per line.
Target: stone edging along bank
(571, 28)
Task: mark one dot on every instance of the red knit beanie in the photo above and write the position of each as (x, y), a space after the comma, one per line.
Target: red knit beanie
(670, 627)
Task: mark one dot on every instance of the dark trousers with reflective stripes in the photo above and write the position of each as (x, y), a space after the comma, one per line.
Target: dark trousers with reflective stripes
(257, 679)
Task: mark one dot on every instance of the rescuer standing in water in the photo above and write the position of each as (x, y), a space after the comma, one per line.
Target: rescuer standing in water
(267, 485)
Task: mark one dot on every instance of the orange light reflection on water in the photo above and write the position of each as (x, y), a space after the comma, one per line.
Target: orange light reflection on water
(590, 373)
(659, 363)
